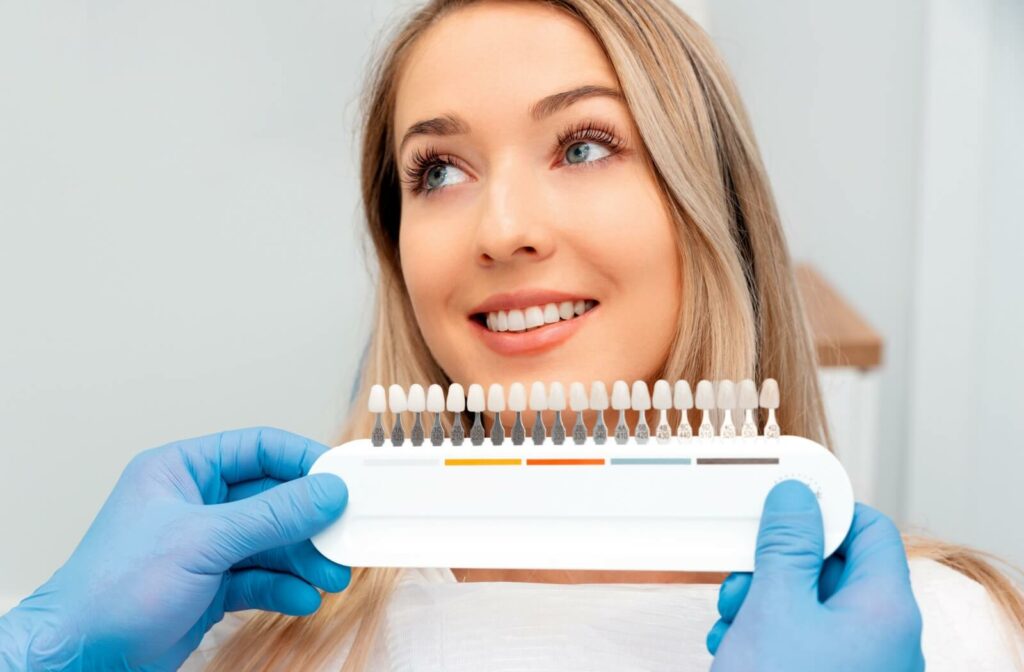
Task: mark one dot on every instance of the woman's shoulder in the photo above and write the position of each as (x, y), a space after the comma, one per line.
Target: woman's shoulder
(963, 627)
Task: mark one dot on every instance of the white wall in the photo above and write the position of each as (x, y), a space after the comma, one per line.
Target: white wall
(892, 135)
(966, 445)
(178, 190)
(834, 94)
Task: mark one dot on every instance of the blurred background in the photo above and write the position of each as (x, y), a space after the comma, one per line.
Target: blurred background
(180, 253)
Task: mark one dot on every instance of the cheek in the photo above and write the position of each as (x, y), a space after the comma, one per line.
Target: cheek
(434, 266)
(630, 239)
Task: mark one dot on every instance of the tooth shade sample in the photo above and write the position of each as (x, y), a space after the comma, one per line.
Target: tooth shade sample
(517, 397)
(705, 395)
(378, 402)
(556, 397)
(682, 398)
(475, 403)
(662, 395)
(435, 399)
(396, 399)
(641, 398)
(577, 397)
(456, 402)
(747, 394)
(538, 397)
(769, 393)
(417, 400)
(598, 396)
(496, 398)
(620, 395)
(726, 394)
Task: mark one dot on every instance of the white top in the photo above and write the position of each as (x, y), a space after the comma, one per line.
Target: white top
(435, 624)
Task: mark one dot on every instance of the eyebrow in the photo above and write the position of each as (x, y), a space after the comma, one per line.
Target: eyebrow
(452, 124)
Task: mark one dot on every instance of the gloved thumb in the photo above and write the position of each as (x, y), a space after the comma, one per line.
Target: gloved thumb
(790, 543)
(285, 514)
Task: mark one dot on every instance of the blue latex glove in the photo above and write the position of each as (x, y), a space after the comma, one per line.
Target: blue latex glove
(854, 612)
(191, 530)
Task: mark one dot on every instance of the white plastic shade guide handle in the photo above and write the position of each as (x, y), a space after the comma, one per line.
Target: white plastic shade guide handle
(693, 505)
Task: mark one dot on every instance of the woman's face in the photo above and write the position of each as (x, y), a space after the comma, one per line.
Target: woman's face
(533, 205)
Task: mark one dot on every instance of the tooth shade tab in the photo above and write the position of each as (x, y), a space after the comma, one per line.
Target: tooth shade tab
(577, 397)
(538, 397)
(475, 403)
(396, 399)
(747, 394)
(662, 395)
(705, 395)
(620, 395)
(598, 396)
(517, 397)
(377, 402)
(456, 402)
(769, 393)
(435, 399)
(496, 398)
(556, 397)
(726, 394)
(417, 398)
(641, 398)
(682, 398)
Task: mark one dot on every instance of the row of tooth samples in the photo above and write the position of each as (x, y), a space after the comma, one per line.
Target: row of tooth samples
(743, 397)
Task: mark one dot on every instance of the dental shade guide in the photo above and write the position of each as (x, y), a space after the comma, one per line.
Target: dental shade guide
(679, 503)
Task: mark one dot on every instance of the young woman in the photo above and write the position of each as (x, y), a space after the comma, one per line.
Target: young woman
(521, 154)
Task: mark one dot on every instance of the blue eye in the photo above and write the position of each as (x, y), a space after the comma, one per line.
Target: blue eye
(580, 153)
(428, 170)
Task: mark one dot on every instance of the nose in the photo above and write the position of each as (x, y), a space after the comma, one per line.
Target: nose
(514, 224)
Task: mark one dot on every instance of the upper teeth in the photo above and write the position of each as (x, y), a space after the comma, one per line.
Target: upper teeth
(536, 316)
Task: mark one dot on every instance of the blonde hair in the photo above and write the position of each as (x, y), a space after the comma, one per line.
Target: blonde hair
(741, 315)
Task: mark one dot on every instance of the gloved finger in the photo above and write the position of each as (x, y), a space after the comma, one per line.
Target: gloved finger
(245, 454)
(873, 552)
(285, 514)
(831, 574)
(270, 591)
(302, 560)
(732, 593)
(250, 488)
(715, 635)
(790, 543)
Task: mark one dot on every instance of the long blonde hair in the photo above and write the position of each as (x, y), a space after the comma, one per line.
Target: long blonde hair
(741, 316)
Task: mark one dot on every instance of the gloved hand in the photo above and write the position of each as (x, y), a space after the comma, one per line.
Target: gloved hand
(795, 613)
(191, 530)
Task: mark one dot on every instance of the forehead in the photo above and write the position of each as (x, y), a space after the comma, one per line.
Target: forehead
(490, 61)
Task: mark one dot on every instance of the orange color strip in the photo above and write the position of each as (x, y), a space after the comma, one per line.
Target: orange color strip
(598, 461)
(478, 462)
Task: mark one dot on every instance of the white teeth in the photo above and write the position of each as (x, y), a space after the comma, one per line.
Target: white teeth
(516, 320)
(536, 316)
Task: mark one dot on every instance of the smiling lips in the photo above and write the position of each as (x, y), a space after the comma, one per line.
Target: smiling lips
(529, 321)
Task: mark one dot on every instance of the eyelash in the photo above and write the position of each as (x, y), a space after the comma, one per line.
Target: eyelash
(422, 161)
